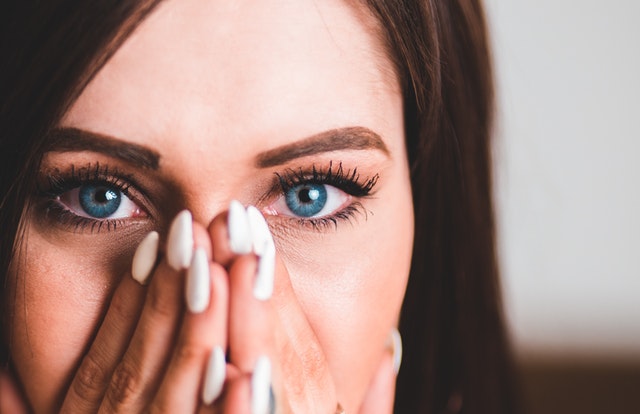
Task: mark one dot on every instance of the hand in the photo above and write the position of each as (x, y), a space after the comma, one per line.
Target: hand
(275, 327)
(278, 328)
(149, 353)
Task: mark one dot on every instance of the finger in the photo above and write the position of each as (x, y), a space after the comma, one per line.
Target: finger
(250, 319)
(199, 352)
(238, 396)
(231, 234)
(381, 392)
(11, 400)
(237, 233)
(301, 376)
(93, 376)
(137, 376)
(252, 393)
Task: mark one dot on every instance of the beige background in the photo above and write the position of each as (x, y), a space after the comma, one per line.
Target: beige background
(568, 174)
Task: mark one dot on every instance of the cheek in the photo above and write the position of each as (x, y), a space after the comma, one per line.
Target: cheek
(351, 284)
(58, 299)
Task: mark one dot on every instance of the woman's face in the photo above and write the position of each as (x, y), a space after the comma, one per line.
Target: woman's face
(226, 97)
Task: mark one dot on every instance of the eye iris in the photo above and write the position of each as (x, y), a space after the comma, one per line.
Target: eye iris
(306, 200)
(99, 201)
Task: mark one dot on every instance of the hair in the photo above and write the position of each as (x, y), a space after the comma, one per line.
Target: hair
(455, 345)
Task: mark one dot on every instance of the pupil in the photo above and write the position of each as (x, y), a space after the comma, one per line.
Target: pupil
(99, 201)
(306, 200)
(308, 195)
(103, 195)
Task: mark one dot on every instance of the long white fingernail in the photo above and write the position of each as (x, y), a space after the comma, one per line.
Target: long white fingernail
(180, 241)
(263, 285)
(259, 230)
(394, 343)
(145, 257)
(214, 376)
(261, 386)
(240, 240)
(198, 284)
(264, 247)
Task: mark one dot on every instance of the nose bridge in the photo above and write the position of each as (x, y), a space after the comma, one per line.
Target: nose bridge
(207, 187)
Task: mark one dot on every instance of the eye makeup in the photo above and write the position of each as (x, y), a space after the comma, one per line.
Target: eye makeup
(305, 195)
(97, 198)
(93, 198)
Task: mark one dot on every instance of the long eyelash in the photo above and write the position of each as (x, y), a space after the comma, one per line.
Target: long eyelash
(346, 180)
(58, 183)
(347, 214)
(54, 183)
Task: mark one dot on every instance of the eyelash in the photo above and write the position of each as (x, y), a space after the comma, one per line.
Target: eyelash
(56, 184)
(345, 180)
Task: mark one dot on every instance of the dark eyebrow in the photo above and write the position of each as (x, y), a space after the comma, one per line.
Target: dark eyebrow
(74, 139)
(349, 138)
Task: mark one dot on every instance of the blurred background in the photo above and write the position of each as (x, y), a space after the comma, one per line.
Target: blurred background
(568, 198)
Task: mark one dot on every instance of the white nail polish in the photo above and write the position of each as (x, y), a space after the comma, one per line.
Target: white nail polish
(259, 230)
(240, 239)
(145, 257)
(214, 376)
(180, 241)
(264, 247)
(394, 342)
(261, 386)
(263, 285)
(197, 289)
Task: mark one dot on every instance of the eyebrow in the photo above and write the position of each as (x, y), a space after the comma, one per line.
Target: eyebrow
(74, 139)
(350, 138)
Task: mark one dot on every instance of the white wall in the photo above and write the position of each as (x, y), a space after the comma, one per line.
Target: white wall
(568, 173)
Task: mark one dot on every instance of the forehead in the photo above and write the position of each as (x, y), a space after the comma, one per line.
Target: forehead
(270, 68)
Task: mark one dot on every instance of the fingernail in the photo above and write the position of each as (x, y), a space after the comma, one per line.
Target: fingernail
(240, 239)
(261, 386)
(214, 376)
(259, 230)
(180, 241)
(145, 257)
(394, 344)
(263, 285)
(197, 288)
(264, 247)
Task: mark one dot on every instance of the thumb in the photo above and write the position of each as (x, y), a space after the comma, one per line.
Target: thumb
(381, 392)
(11, 401)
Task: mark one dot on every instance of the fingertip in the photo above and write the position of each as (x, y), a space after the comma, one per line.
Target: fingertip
(219, 235)
(201, 239)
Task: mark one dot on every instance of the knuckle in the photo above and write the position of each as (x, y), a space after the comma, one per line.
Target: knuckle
(120, 306)
(90, 379)
(161, 303)
(189, 352)
(124, 385)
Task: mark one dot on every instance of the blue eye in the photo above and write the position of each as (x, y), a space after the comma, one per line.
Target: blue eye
(309, 200)
(306, 200)
(99, 201)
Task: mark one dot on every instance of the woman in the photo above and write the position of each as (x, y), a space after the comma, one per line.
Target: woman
(358, 130)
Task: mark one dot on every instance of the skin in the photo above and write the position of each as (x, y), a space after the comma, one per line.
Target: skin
(209, 86)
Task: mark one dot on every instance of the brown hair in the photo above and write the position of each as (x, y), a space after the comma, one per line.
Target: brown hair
(451, 321)
(456, 349)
